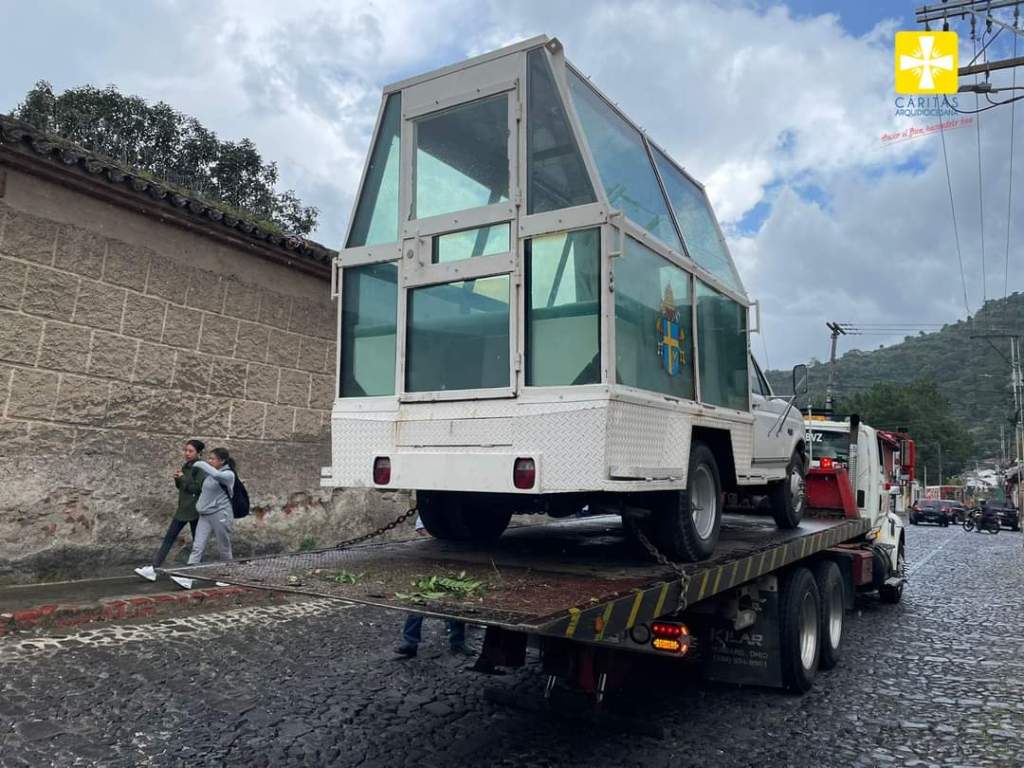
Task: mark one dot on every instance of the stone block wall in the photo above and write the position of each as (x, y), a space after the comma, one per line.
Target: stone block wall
(120, 338)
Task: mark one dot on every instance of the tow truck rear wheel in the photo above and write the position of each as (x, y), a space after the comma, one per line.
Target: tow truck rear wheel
(462, 516)
(799, 629)
(686, 523)
(833, 611)
(787, 497)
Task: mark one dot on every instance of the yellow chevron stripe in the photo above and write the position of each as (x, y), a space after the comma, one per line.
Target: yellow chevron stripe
(735, 573)
(574, 619)
(661, 600)
(750, 563)
(718, 579)
(636, 609)
(703, 585)
(604, 620)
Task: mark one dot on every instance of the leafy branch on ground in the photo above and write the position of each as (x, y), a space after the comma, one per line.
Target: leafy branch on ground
(158, 142)
(440, 587)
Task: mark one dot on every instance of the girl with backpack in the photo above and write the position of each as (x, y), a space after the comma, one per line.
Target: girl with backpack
(214, 507)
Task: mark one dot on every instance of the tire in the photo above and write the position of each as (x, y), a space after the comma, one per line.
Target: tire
(461, 516)
(686, 523)
(893, 595)
(968, 525)
(799, 629)
(833, 611)
(787, 497)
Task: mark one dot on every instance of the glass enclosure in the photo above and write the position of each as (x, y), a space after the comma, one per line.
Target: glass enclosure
(486, 253)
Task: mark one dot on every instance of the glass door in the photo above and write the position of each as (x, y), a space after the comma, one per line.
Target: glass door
(458, 272)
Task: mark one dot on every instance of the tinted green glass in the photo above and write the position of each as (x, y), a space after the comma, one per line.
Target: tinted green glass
(369, 311)
(722, 329)
(376, 217)
(704, 242)
(563, 312)
(462, 158)
(556, 175)
(623, 164)
(653, 323)
(469, 243)
(458, 336)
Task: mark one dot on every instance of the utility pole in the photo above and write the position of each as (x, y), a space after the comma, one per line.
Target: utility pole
(837, 331)
(980, 10)
(941, 476)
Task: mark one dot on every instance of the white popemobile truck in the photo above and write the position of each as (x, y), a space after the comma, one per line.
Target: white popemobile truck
(539, 313)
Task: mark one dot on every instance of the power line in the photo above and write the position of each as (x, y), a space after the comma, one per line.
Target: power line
(981, 205)
(1009, 196)
(952, 209)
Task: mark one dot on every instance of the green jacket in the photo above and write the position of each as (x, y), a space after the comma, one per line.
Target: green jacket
(190, 484)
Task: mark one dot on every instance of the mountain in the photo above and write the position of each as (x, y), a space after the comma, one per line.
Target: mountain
(972, 373)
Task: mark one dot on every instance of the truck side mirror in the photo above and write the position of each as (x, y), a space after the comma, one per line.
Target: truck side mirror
(800, 379)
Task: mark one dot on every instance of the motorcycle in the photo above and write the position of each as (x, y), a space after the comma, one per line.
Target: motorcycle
(979, 520)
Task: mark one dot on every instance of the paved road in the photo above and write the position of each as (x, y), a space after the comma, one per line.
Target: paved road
(937, 680)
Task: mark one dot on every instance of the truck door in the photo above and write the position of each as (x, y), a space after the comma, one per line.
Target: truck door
(771, 444)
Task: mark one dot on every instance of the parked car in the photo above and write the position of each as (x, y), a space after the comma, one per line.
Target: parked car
(936, 511)
(1009, 517)
(958, 511)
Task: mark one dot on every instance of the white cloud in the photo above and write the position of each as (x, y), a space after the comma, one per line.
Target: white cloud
(758, 104)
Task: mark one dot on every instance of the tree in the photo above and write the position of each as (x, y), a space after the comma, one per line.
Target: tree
(176, 148)
(925, 414)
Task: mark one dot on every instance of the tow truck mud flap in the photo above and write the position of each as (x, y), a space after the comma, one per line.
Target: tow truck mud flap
(746, 657)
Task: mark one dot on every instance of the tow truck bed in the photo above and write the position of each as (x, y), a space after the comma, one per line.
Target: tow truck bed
(573, 579)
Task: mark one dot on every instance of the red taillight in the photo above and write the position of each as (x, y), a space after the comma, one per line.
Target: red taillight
(670, 637)
(381, 470)
(660, 629)
(524, 474)
(826, 462)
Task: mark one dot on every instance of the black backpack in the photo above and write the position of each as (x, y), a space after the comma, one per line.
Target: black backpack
(239, 499)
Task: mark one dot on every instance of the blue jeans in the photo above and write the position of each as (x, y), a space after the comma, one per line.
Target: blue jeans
(413, 628)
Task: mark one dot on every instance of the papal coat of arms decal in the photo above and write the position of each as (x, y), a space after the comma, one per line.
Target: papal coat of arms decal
(670, 335)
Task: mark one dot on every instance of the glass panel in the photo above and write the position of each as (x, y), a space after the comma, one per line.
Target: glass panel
(462, 158)
(563, 313)
(458, 336)
(721, 323)
(622, 162)
(556, 175)
(376, 217)
(468, 243)
(369, 311)
(704, 242)
(653, 323)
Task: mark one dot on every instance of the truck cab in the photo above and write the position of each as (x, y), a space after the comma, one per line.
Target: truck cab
(539, 312)
(829, 444)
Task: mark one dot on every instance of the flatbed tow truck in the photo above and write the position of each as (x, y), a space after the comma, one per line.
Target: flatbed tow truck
(767, 609)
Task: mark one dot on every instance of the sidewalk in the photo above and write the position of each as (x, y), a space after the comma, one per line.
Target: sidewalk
(66, 604)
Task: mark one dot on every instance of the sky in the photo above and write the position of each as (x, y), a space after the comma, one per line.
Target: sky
(781, 109)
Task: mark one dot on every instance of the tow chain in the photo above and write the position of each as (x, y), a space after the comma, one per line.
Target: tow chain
(379, 532)
(657, 554)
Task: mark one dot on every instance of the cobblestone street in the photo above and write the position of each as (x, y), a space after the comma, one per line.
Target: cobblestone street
(935, 680)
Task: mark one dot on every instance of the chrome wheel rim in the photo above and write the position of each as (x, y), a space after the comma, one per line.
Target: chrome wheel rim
(835, 614)
(796, 492)
(703, 502)
(808, 630)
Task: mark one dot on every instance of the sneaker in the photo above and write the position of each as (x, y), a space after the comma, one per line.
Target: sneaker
(182, 582)
(221, 584)
(148, 572)
(408, 650)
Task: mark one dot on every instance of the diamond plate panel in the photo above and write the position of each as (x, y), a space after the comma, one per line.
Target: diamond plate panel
(355, 440)
(646, 436)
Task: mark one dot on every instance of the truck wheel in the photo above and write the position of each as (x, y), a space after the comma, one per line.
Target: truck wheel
(687, 523)
(460, 516)
(893, 595)
(788, 496)
(799, 629)
(833, 611)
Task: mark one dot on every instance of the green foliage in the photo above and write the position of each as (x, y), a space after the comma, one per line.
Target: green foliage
(347, 577)
(972, 375)
(307, 544)
(440, 587)
(924, 413)
(157, 139)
